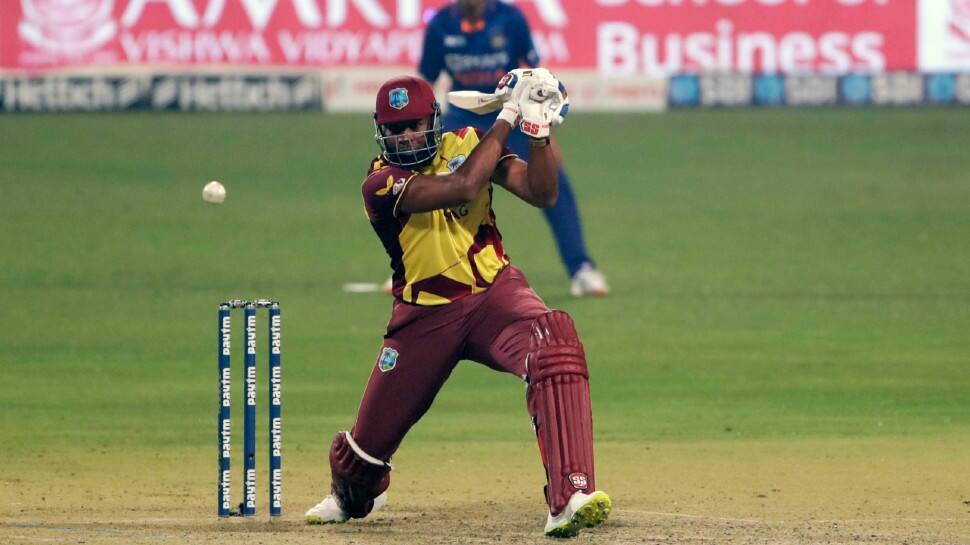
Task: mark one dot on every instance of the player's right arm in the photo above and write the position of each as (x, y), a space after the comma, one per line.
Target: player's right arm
(535, 182)
(424, 192)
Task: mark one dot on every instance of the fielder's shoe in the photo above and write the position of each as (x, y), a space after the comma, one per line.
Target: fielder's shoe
(329, 512)
(589, 281)
(582, 511)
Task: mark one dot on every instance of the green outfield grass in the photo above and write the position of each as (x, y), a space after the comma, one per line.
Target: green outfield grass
(778, 277)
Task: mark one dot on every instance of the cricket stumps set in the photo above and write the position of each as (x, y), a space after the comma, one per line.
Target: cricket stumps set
(248, 506)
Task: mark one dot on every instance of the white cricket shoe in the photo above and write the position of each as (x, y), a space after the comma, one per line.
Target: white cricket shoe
(328, 511)
(582, 511)
(589, 281)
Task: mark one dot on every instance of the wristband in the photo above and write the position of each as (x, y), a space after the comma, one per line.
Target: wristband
(539, 142)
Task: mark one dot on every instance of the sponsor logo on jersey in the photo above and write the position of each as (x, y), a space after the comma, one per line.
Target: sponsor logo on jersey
(388, 359)
(454, 40)
(456, 162)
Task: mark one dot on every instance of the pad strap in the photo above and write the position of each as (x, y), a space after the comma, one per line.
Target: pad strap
(357, 477)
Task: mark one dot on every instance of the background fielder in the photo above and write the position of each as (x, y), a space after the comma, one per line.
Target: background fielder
(476, 42)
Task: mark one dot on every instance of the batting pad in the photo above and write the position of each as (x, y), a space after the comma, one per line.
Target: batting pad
(559, 402)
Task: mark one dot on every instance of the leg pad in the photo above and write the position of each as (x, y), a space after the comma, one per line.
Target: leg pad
(559, 403)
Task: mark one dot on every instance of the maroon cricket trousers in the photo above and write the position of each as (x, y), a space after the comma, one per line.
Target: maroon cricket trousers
(493, 328)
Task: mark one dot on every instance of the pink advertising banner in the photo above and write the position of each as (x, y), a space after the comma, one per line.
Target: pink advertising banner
(615, 37)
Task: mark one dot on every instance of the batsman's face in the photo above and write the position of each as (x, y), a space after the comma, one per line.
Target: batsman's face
(407, 135)
(472, 9)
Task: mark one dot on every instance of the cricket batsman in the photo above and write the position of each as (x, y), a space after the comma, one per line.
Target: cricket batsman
(428, 197)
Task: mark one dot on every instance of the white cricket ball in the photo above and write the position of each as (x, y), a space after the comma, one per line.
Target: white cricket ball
(214, 192)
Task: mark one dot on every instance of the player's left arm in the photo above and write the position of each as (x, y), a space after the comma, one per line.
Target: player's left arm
(535, 182)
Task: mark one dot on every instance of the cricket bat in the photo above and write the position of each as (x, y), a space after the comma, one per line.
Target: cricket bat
(475, 101)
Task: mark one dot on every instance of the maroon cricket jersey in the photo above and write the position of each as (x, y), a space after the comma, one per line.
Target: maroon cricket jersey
(439, 256)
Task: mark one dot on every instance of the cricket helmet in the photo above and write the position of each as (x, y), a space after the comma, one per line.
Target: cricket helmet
(402, 100)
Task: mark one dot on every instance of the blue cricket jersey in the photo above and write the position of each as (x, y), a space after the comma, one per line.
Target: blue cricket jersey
(476, 58)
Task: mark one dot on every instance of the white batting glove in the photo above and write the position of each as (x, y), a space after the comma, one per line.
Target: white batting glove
(543, 106)
(560, 105)
(508, 89)
(510, 113)
(517, 83)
